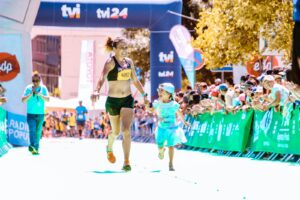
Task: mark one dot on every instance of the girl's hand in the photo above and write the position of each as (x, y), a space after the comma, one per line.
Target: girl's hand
(187, 124)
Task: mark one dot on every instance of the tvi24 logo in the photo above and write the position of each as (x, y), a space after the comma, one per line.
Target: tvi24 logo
(166, 57)
(71, 12)
(112, 13)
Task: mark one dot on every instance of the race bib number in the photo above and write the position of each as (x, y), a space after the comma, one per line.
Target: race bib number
(80, 116)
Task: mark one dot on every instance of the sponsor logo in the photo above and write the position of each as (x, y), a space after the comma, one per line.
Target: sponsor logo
(9, 67)
(112, 13)
(165, 74)
(71, 12)
(166, 57)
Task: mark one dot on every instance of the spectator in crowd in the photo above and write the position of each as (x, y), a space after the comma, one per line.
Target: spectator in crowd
(168, 133)
(35, 96)
(97, 128)
(294, 89)
(119, 71)
(278, 95)
(65, 118)
(81, 112)
(218, 81)
(72, 124)
(227, 96)
(278, 79)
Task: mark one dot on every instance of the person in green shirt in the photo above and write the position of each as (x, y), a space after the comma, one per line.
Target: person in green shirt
(34, 96)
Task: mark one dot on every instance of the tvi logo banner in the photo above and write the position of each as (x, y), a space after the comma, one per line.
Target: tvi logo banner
(166, 57)
(112, 13)
(71, 12)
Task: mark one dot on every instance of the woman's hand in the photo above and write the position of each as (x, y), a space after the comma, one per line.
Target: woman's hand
(95, 96)
(3, 100)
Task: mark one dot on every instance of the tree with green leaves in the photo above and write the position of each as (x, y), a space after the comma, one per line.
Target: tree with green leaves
(229, 32)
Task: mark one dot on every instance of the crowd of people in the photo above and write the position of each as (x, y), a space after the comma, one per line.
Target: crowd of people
(64, 124)
(261, 93)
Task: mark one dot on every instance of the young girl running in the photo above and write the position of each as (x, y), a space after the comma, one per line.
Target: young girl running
(168, 133)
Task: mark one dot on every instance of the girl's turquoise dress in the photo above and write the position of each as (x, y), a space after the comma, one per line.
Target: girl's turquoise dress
(168, 133)
(4, 145)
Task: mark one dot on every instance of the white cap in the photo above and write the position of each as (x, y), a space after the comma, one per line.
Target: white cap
(168, 87)
(268, 78)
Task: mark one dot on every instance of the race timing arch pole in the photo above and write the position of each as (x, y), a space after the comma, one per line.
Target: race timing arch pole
(153, 14)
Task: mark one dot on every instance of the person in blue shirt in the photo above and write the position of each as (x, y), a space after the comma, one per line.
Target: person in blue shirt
(34, 96)
(81, 111)
(168, 132)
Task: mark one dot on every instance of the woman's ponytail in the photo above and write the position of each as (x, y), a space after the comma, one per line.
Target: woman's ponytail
(110, 44)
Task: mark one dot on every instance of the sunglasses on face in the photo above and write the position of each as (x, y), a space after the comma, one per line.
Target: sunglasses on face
(160, 90)
(35, 80)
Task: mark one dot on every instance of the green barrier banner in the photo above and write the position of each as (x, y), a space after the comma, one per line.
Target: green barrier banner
(272, 132)
(189, 133)
(235, 131)
(4, 145)
(221, 131)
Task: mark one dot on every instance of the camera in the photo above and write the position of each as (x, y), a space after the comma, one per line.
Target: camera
(36, 90)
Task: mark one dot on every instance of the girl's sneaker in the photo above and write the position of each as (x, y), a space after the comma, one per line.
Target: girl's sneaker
(171, 168)
(161, 153)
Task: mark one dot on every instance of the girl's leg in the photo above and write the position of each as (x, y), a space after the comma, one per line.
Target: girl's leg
(126, 118)
(171, 156)
(161, 152)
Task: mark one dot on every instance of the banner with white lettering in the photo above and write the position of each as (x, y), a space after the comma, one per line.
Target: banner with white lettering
(86, 74)
(17, 129)
(15, 69)
(4, 145)
(165, 63)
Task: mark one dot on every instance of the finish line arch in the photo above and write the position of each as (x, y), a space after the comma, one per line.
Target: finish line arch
(18, 16)
(154, 15)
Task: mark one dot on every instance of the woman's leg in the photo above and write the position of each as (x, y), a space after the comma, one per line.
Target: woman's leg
(126, 119)
(115, 125)
(32, 131)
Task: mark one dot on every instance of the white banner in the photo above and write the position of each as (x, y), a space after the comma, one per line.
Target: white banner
(182, 39)
(12, 44)
(16, 20)
(86, 74)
